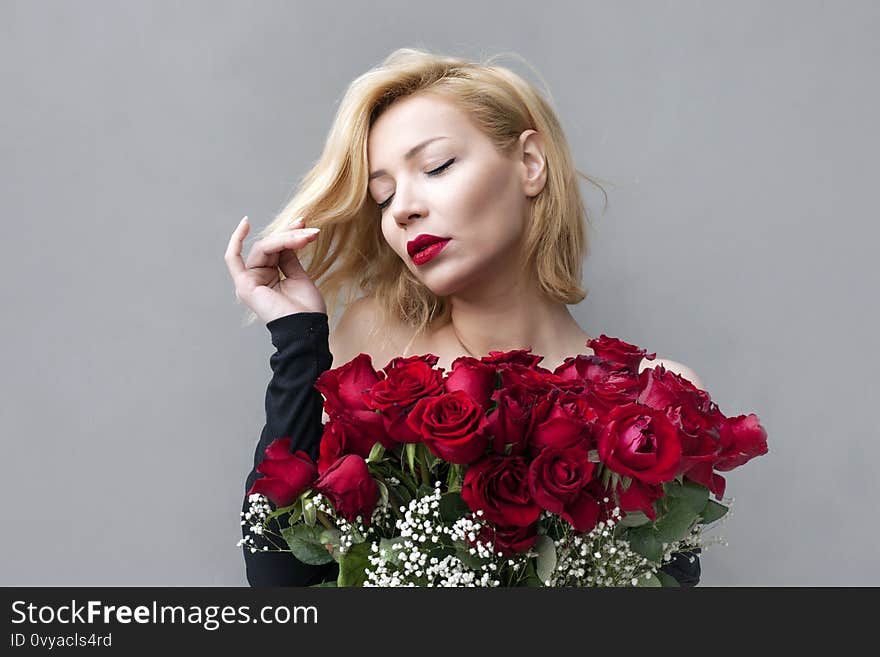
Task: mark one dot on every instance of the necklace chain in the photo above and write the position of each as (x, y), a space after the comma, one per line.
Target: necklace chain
(457, 337)
(463, 346)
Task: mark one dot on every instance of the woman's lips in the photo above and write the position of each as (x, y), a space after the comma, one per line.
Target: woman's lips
(427, 254)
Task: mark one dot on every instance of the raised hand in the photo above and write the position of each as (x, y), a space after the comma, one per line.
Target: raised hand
(257, 282)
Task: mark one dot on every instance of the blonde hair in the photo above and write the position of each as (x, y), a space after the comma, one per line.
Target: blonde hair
(350, 253)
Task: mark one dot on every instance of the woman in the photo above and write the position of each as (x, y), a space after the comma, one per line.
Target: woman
(446, 198)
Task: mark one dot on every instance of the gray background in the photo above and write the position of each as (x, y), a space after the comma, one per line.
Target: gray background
(737, 142)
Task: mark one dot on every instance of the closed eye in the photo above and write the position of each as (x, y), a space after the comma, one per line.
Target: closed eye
(435, 172)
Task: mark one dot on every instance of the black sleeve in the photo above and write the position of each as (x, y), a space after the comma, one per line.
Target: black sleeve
(681, 568)
(293, 408)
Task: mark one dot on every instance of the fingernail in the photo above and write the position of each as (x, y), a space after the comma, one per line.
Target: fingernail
(313, 231)
(243, 219)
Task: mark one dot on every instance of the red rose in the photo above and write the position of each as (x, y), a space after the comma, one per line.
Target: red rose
(507, 541)
(343, 388)
(399, 361)
(452, 425)
(558, 480)
(618, 351)
(585, 368)
(332, 445)
(342, 436)
(618, 388)
(699, 439)
(474, 377)
(571, 386)
(535, 379)
(688, 408)
(499, 486)
(568, 421)
(407, 381)
(520, 357)
(287, 475)
(515, 417)
(639, 497)
(702, 473)
(742, 439)
(639, 441)
(662, 388)
(604, 498)
(350, 488)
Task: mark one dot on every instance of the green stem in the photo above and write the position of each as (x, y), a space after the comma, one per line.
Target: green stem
(426, 471)
(404, 480)
(324, 520)
(453, 481)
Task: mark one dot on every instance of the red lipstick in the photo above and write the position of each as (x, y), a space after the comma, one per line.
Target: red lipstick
(425, 247)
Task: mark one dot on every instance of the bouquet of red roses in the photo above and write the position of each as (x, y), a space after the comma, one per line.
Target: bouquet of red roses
(503, 473)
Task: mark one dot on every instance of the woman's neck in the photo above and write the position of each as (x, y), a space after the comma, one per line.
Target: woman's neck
(515, 321)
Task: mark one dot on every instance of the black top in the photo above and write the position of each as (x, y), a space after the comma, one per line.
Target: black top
(294, 408)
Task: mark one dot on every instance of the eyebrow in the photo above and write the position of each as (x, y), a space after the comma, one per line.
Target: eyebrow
(409, 155)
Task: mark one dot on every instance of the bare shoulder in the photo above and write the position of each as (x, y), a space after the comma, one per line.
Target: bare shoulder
(673, 366)
(360, 329)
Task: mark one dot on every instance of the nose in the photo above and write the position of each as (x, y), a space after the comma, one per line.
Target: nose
(405, 206)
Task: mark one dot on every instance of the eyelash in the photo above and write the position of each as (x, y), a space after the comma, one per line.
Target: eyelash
(435, 172)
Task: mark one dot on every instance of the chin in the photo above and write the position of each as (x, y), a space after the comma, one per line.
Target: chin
(444, 283)
(436, 283)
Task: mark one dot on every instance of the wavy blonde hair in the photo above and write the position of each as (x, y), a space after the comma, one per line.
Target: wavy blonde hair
(350, 254)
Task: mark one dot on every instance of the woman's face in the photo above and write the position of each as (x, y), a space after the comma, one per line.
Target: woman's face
(454, 185)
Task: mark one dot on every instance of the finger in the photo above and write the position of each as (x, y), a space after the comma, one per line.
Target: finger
(288, 260)
(290, 266)
(289, 239)
(233, 258)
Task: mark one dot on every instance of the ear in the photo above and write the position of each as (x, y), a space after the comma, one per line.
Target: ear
(534, 166)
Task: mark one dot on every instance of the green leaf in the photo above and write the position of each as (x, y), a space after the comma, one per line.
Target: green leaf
(693, 494)
(285, 509)
(634, 519)
(387, 544)
(625, 482)
(310, 512)
(615, 480)
(531, 578)
(593, 456)
(452, 507)
(472, 561)
(383, 493)
(427, 457)
(666, 579)
(676, 523)
(325, 535)
(546, 562)
(409, 451)
(644, 541)
(606, 476)
(352, 565)
(712, 512)
(454, 479)
(651, 580)
(305, 545)
(296, 514)
(377, 453)
(403, 494)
